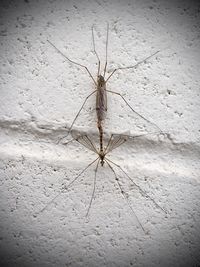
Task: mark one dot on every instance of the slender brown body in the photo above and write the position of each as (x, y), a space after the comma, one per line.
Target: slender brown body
(101, 107)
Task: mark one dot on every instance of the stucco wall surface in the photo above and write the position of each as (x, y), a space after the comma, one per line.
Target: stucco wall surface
(41, 93)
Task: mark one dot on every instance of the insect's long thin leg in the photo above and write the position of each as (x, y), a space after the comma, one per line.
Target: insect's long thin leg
(116, 93)
(76, 63)
(94, 47)
(65, 188)
(104, 72)
(131, 67)
(94, 187)
(125, 197)
(79, 111)
(142, 192)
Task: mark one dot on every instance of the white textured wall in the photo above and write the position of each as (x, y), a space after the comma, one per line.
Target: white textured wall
(40, 94)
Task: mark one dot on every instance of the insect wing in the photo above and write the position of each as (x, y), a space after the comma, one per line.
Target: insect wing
(86, 142)
(115, 142)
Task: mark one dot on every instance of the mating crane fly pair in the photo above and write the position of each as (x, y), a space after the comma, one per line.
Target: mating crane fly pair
(115, 140)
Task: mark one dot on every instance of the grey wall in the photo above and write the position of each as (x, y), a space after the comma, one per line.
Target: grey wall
(40, 95)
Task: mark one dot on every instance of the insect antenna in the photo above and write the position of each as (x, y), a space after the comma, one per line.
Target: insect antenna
(104, 72)
(94, 187)
(66, 187)
(94, 48)
(124, 195)
(142, 192)
(74, 62)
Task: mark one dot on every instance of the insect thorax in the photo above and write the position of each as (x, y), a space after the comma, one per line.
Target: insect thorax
(100, 81)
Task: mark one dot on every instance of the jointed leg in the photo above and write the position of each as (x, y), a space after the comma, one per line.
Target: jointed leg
(65, 188)
(80, 65)
(80, 111)
(142, 192)
(125, 197)
(131, 67)
(133, 109)
(93, 192)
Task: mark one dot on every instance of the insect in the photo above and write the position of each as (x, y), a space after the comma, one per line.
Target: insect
(114, 142)
(101, 88)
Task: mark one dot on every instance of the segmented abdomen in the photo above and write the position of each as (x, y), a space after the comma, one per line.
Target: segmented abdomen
(101, 104)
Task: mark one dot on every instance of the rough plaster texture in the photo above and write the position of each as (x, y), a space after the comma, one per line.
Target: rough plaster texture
(39, 96)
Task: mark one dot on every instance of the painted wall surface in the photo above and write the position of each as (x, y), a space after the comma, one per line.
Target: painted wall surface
(41, 93)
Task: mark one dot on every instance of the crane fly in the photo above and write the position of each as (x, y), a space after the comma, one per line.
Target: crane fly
(100, 85)
(102, 159)
(115, 140)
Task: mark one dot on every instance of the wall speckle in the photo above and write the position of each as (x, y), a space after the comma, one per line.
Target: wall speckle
(40, 95)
